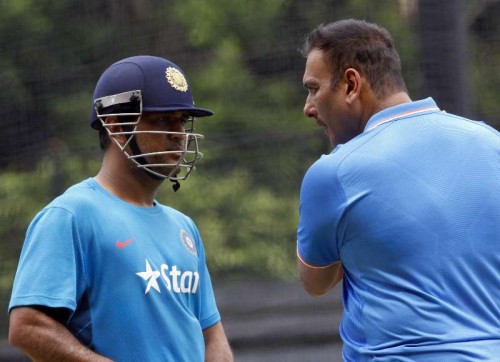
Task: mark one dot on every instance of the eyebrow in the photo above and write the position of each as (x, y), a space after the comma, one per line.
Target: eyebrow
(308, 83)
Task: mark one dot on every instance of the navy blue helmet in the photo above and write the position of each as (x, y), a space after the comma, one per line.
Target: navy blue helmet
(139, 84)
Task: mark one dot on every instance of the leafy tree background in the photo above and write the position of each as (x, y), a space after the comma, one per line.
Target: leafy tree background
(242, 60)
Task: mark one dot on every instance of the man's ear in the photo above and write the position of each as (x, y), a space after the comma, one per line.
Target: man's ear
(354, 83)
(114, 127)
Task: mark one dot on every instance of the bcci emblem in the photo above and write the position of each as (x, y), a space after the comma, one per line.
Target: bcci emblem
(176, 79)
(188, 242)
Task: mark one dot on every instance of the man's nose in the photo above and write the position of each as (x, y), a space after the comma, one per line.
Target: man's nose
(178, 131)
(309, 108)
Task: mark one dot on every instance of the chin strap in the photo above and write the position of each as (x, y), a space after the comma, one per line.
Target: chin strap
(136, 151)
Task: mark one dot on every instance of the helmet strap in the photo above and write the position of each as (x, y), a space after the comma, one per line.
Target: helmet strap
(137, 151)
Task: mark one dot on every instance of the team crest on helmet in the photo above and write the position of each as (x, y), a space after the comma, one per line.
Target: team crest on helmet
(176, 79)
(188, 242)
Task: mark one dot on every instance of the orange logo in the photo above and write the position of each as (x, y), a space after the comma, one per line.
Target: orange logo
(123, 244)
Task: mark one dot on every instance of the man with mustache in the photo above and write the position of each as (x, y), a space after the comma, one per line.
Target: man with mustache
(405, 210)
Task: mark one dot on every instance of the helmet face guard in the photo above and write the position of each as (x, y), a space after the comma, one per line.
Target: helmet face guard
(181, 169)
(147, 84)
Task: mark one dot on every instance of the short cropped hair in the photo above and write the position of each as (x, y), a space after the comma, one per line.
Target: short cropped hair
(103, 138)
(361, 45)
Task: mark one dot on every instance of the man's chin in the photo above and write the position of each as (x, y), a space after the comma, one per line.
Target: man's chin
(169, 171)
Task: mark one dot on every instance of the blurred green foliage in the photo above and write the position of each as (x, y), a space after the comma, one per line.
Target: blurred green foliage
(242, 60)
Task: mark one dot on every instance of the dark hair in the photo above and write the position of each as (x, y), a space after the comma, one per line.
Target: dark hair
(361, 45)
(103, 138)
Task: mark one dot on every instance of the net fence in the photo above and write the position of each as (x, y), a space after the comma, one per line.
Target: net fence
(242, 60)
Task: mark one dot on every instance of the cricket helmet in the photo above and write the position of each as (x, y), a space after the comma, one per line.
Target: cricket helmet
(139, 84)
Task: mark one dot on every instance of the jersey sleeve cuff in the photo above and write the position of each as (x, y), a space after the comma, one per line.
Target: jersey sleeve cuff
(210, 321)
(313, 265)
(41, 301)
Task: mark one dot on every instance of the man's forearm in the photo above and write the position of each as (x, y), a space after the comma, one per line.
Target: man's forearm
(217, 347)
(45, 339)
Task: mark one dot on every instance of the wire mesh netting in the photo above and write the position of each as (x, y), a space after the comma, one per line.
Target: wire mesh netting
(243, 62)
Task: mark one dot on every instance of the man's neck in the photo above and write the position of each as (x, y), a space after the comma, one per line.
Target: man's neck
(379, 105)
(127, 182)
(391, 101)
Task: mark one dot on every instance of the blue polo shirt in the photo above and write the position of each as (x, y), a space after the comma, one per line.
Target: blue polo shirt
(411, 207)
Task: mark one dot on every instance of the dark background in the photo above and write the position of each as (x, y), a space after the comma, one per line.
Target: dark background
(242, 61)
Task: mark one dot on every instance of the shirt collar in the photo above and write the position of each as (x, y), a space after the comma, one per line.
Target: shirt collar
(400, 111)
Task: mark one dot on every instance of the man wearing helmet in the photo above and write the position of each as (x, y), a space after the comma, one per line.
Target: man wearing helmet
(107, 272)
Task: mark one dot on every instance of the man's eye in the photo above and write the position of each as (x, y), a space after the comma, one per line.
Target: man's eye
(311, 90)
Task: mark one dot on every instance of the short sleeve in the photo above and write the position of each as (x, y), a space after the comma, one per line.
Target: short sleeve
(209, 314)
(49, 269)
(322, 204)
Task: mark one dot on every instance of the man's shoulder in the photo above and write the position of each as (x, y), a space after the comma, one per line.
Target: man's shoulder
(174, 213)
(76, 196)
(363, 158)
(345, 154)
(472, 125)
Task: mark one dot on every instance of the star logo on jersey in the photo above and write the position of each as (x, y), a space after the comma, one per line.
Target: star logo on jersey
(151, 276)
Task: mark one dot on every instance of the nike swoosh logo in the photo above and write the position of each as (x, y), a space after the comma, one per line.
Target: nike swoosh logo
(122, 244)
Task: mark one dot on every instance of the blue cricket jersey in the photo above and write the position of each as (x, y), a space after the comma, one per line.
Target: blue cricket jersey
(134, 278)
(411, 207)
